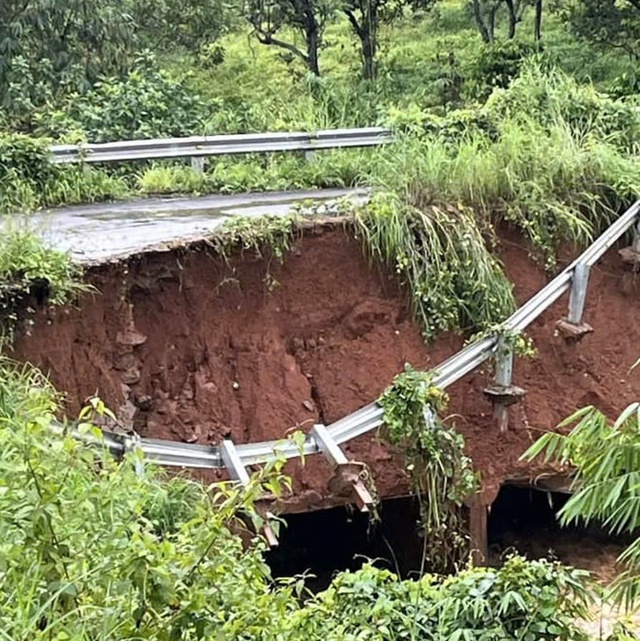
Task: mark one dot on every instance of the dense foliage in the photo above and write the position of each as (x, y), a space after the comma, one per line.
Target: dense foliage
(511, 112)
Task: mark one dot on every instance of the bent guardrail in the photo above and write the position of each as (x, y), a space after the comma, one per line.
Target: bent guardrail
(328, 439)
(200, 147)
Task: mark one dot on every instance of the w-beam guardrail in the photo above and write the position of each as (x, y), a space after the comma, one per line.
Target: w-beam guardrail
(199, 147)
(327, 439)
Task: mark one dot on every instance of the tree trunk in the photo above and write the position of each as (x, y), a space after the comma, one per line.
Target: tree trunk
(513, 19)
(313, 45)
(367, 32)
(368, 54)
(482, 27)
(537, 33)
(491, 26)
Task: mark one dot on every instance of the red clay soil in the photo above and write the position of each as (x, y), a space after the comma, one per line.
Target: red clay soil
(187, 347)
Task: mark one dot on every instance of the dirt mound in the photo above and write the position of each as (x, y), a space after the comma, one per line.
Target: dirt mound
(186, 346)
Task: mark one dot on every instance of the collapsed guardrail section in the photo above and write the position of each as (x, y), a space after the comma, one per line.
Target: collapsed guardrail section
(327, 439)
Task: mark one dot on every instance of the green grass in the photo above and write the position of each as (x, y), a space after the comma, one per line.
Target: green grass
(29, 267)
(25, 258)
(552, 158)
(441, 256)
(548, 155)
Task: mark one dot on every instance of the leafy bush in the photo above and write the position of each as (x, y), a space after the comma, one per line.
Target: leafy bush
(29, 180)
(146, 103)
(449, 129)
(552, 158)
(441, 473)
(25, 258)
(41, 59)
(626, 85)
(91, 550)
(523, 601)
(551, 97)
(606, 460)
(29, 267)
(496, 65)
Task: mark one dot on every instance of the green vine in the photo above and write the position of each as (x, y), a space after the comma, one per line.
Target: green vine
(441, 473)
(509, 339)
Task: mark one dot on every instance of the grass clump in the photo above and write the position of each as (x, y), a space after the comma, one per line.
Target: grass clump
(29, 267)
(25, 260)
(256, 234)
(439, 253)
(29, 180)
(529, 157)
(171, 179)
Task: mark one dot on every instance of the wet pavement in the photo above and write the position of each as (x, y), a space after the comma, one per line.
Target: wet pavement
(110, 231)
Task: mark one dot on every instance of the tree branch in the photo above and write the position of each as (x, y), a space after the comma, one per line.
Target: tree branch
(267, 39)
(354, 23)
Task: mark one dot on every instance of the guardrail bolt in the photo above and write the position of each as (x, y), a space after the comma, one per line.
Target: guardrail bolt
(502, 393)
(572, 328)
(631, 254)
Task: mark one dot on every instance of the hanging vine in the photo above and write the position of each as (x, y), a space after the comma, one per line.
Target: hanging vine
(441, 473)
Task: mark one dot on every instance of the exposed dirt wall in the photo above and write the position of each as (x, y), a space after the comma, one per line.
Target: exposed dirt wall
(188, 347)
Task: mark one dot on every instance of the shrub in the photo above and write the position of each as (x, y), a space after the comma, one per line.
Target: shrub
(30, 180)
(93, 550)
(523, 601)
(551, 98)
(496, 66)
(146, 103)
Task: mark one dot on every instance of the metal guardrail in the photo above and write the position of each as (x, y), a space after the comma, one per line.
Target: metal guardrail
(199, 147)
(370, 417)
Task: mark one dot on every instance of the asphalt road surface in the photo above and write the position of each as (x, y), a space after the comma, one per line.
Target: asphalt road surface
(110, 231)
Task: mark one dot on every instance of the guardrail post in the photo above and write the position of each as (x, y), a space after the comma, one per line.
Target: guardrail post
(132, 443)
(197, 164)
(309, 155)
(636, 237)
(502, 393)
(572, 327)
(347, 477)
(238, 472)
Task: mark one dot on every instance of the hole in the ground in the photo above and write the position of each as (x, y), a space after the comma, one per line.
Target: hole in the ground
(329, 541)
(525, 520)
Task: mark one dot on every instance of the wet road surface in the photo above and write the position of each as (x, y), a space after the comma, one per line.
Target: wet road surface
(110, 231)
